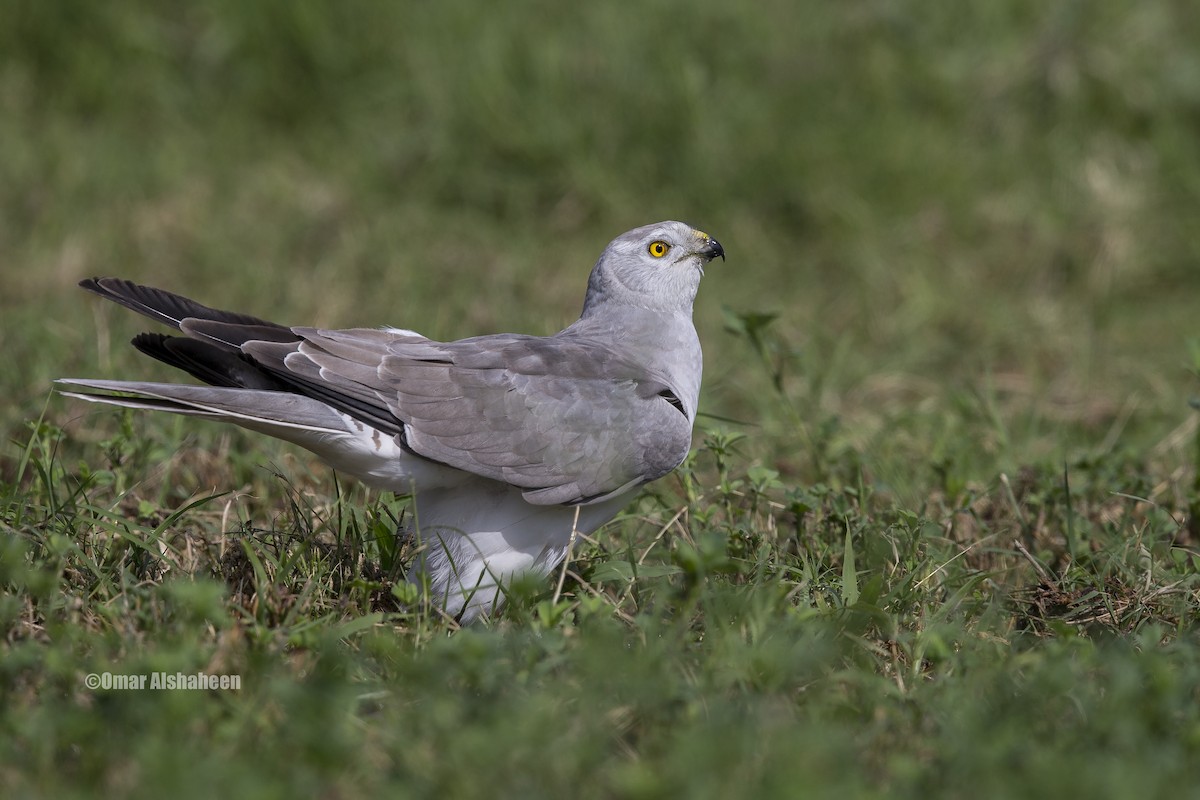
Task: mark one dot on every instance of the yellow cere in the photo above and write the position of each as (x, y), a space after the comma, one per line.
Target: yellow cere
(701, 235)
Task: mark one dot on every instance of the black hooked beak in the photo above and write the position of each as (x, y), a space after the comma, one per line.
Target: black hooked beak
(712, 248)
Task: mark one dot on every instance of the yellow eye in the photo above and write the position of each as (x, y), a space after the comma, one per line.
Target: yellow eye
(658, 249)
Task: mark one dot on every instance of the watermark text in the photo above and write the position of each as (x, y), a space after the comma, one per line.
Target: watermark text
(162, 681)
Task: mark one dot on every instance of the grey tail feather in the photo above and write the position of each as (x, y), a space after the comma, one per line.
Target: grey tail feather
(163, 306)
(268, 411)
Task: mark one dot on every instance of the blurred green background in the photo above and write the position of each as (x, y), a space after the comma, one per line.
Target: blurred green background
(962, 245)
(941, 203)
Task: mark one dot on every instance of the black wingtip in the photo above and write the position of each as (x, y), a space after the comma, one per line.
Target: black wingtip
(105, 285)
(165, 307)
(94, 285)
(207, 362)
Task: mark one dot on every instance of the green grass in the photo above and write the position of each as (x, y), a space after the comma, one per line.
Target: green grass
(938, 534)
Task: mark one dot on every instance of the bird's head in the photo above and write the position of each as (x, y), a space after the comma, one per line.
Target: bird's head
(655, 266)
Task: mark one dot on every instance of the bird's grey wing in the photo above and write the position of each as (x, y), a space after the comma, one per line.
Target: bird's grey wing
(566, 420)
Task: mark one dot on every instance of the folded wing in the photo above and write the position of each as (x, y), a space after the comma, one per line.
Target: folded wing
(564, 419)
